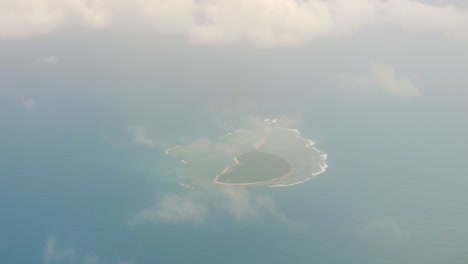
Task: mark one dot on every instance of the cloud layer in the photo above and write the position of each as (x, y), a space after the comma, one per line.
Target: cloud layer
(25, 18)
(262, 23)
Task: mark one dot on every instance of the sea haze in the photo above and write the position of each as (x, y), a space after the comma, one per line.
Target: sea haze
(89, 106)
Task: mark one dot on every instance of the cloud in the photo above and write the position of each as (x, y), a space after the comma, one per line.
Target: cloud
(236, 202)
(124, 262)
(383, 226)
(242, 205)
(53, 254)
(380, 77)
(140, 137)
(373, 227)
(29, 103)
(172, 209)
(91, 260)
(26, 18)
(50, 59)
(262, 23)
(26, 102)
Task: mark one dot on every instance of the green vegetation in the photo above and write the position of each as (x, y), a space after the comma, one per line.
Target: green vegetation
(255, 167)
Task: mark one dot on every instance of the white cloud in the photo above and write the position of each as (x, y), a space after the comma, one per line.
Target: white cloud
(140, 137)
(125, 262)
(373, 227)
(381, 77)
(53, 254)
(242, 205)
(25, 18)
(173, 209)
(386, 77)
(29, 103)
(383, 226)
(236, 202)
(26, 102)
(263, 23)
(50, 59)
(91, 260)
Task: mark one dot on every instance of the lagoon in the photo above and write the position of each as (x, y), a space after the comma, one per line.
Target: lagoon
(255, 167)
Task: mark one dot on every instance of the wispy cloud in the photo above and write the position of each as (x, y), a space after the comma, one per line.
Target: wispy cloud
(91, 260)
(172, 209)
(236, 202)
(54, 254)
(383, 226)
(140, 137)
(381, 77)
(50, 59)
(373, 227)
(243, 206)
(29, 103)
(26, 102)
(261, 23)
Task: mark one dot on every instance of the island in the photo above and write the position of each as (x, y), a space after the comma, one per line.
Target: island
(255, 168)
(270, 154)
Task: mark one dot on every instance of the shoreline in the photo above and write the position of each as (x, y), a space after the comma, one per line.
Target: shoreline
(290, 178)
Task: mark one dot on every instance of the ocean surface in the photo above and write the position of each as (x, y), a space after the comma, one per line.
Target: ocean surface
(72, 179)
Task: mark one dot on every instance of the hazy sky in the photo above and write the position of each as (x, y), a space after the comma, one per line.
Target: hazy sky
(234, 47)
(78, 73)
(134, 63)
(272, 23)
